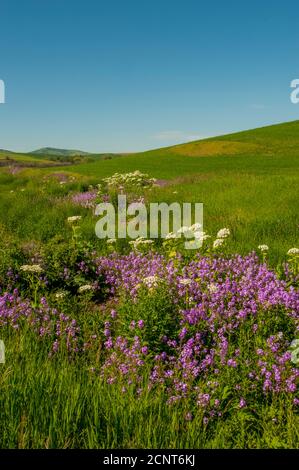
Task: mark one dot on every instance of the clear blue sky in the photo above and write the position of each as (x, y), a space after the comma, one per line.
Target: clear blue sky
(130, 75)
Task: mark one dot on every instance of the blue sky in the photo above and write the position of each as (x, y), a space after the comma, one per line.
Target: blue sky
(130, 75)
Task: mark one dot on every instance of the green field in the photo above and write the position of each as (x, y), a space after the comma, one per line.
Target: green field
(249, 183)
(251, 188)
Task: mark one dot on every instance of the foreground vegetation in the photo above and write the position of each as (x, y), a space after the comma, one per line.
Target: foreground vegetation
(112, 345)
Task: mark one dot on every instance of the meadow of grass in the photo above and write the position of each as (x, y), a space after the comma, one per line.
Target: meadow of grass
(53, 389)
(254, 194)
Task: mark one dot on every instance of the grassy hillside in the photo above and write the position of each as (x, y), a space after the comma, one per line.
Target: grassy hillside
(19, 157)
(257, 150)
(58, 152)
(254, 192)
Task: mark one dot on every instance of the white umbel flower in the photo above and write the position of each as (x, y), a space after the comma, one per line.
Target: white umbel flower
(110, 241)
(74, 218)
(293, 252)
(212, 288)
(223, 233)
(201, 236)
(31, 268)
(151, 281)
(196, 227)
(185, 282)
(218, 242)
(60, 295)
(263, 248)
(85, 288)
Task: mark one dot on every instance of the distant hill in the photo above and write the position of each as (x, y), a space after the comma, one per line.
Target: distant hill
(5, 151)
(58, 152)
(269, 140)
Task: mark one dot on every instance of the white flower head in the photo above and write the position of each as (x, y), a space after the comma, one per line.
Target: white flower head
(60, 295)
(151, 281)
(212, 288)
(110, 241)
(293, 252)
(201, 236)
(223, 233)
(263, 248)
(295, 356)
(85, 288)
(31, 268)
(74, 218)
(185, 282)
(294, 344)
(218, 242)
(196, 227)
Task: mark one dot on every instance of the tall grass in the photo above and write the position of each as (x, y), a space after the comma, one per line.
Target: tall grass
(60, 404)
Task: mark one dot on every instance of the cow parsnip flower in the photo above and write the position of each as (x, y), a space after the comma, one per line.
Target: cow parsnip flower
(263, 248)
(32, 268)
(223, 233)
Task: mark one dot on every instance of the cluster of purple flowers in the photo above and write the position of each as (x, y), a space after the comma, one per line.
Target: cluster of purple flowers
(236, 320)
(232, 323)
(45, 321)
(86, 199)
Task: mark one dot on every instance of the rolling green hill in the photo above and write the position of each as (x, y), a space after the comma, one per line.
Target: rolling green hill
(259, 150)
(248, 181)
(58, 152)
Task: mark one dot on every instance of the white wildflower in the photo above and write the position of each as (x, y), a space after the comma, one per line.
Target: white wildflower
(201, 236)
(140, 241)
(31, 268)
(196, 227)
(85, 288)
(60, 295)
(185, 282)
(263, 248)
(74, 218)
(223, 233)
(151, 281)
(295, 356)
(218, 242)
(212, 288)
(110, 241)
(294, 344)
(293, 252)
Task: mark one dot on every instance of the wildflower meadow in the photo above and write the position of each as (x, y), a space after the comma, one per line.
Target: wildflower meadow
(120, 343)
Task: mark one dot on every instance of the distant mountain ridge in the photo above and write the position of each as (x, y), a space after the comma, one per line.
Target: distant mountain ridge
(58, 152)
